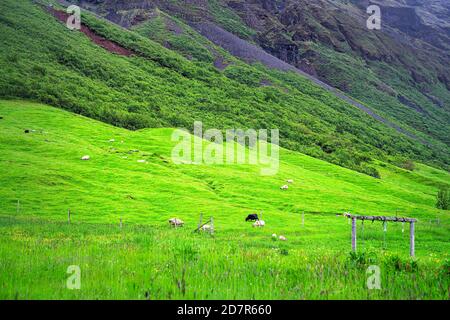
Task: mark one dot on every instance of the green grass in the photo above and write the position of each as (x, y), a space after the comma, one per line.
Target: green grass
(44, 61)
(148, 259)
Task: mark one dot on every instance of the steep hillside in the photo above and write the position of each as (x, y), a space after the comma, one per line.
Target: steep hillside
(42, 176)
(157, 87)
(56, 176)
(400, 72)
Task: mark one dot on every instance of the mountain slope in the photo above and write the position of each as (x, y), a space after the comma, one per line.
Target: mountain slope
(156, 87)
(114, 183)
(398, 73)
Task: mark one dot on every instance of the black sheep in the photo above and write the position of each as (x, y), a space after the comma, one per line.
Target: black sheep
(252, 217)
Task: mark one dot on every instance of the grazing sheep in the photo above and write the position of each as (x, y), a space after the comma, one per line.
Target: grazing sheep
(282, 238)
(259, 223)
(27, 131)
(112, 140)
(252, 217)
(206, 227)
(274, 235)
(290, 181)
(142, 161)
(85, 158)
(175, 222)
(285, 187)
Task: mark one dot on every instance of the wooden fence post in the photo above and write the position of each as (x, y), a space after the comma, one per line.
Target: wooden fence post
(411, 239)
(353, 234)
(411, 222)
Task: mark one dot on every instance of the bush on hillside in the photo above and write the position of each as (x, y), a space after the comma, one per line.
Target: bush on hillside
(443, 199)
(408, 165)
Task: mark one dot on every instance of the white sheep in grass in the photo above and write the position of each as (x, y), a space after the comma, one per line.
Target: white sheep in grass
(290, 181)
(259, 223)
(85, 158)
(282, 238)
(206, 227)
(175, 222)
(285, 187)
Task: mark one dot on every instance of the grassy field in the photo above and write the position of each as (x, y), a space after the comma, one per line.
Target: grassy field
(147, 259)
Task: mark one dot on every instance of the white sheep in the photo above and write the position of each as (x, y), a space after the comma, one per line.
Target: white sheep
(285, 187)
(85, 158)
(259, 223)
(175, 222)
(142, 161)
(206, 227)
(274, 235)
(282, 238)
(290, 181)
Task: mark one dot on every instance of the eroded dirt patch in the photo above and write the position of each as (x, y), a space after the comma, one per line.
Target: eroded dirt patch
(109, 45)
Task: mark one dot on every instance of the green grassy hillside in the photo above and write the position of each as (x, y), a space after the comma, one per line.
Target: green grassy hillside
(44, 61)
(148, 259)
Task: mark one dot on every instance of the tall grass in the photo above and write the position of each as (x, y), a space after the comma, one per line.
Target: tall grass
(147, 262)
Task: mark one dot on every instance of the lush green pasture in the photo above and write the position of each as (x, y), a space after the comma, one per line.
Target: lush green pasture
(148, 259)
(155, 262)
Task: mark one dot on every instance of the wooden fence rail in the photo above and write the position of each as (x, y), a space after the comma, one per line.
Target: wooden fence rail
(411, 222)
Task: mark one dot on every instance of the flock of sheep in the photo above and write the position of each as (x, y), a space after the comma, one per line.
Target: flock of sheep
(257, 222)
(286, 186)
(175, 222)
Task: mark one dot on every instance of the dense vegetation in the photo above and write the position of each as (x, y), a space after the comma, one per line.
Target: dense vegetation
(42, 176)
(158, 87)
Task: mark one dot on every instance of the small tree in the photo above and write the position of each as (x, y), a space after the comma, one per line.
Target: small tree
(443, 199)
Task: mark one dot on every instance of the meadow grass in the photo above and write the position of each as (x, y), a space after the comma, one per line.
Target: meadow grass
(146, 262)
(147, 259)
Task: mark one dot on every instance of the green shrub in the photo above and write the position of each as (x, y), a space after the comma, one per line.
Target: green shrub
(443, 199)
(408, 165)
(397, 263)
